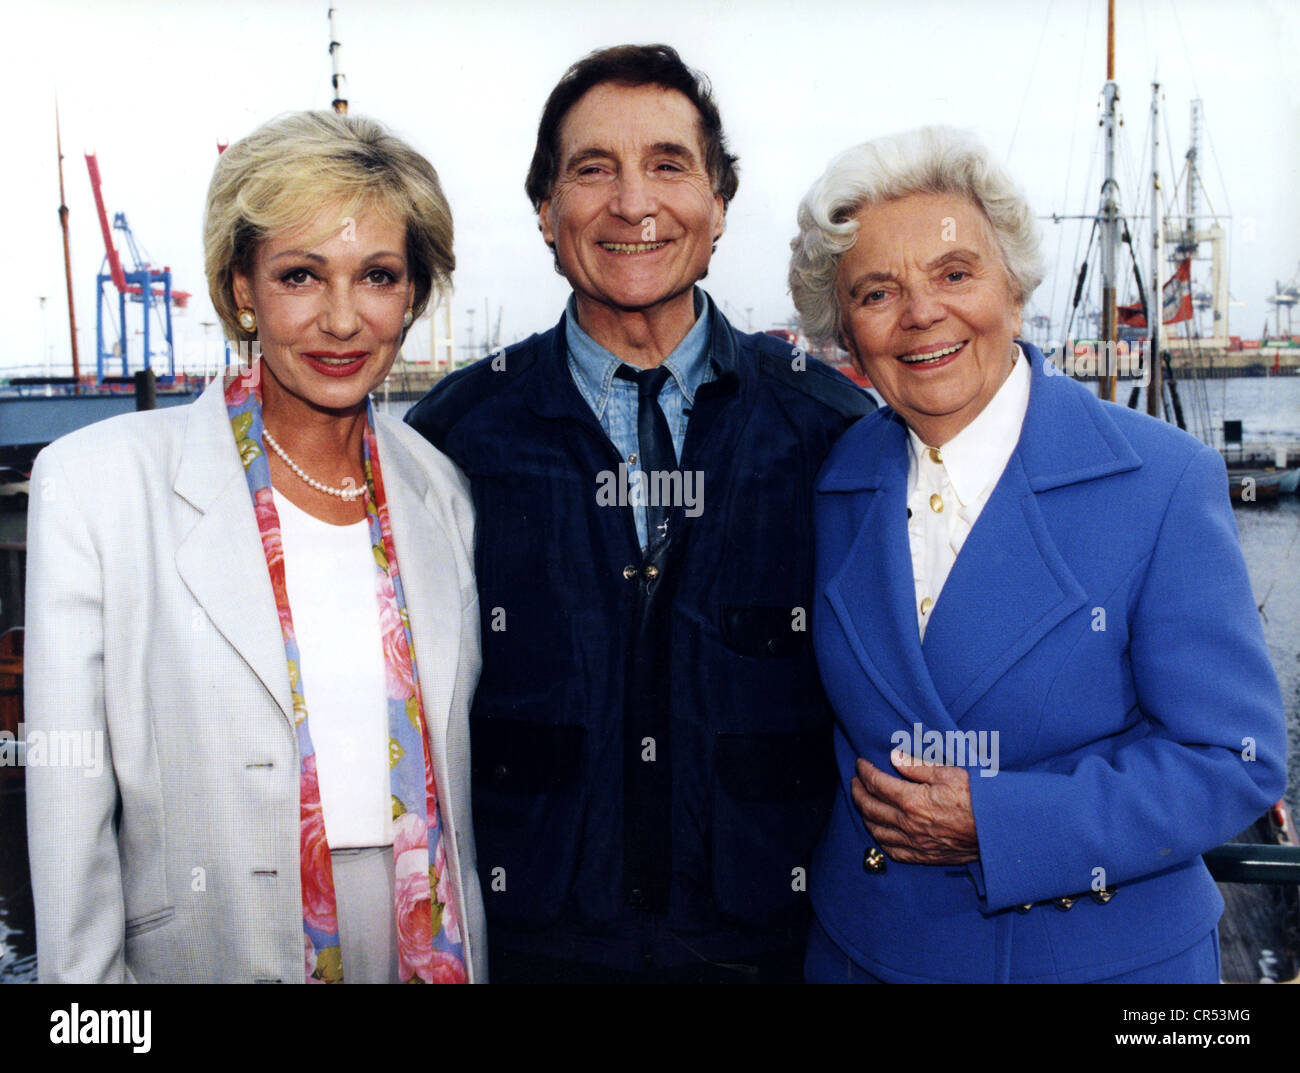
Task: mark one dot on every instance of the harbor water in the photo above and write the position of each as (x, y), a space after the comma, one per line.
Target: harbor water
(1269, 409)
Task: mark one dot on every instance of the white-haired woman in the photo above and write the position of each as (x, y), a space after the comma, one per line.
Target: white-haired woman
(1033, 619)
(214, 597)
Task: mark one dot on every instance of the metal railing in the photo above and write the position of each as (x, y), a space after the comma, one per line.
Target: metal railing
(1244, 862)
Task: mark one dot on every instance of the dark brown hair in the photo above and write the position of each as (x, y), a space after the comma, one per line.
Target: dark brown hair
(630, 65)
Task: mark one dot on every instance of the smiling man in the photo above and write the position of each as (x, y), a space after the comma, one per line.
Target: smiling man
(651, 744)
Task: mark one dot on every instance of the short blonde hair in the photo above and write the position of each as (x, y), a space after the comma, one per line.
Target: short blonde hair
(928, 160)
(282, 174)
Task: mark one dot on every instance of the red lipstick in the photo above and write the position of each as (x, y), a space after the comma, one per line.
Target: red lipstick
(329, 363)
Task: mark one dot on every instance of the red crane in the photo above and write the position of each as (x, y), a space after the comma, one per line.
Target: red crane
(136, 285)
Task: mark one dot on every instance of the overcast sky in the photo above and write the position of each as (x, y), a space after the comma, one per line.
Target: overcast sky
(152, 87)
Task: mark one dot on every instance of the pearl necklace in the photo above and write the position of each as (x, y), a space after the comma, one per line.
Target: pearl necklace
(345, 494)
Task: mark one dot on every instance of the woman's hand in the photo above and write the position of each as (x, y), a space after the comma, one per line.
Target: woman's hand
(924, 817)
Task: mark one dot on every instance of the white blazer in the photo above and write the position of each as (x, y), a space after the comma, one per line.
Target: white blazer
(152, 631)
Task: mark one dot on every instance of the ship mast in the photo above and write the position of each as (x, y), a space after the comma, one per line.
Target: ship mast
(67, 255)
(1155, 303)
(1108, 215)
(1189, 243)
(1189, 246)
(339, 80)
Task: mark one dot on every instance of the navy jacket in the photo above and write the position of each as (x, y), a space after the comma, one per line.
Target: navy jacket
(1099, 626)
(650, 740)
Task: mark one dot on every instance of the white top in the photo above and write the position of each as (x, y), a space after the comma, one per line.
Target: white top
(947, 487)
(330, 576)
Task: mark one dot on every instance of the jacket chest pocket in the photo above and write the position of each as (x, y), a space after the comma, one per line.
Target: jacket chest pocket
(756, 671)
(765, 632)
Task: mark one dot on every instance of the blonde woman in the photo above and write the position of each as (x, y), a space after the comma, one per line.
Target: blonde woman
(214, 590)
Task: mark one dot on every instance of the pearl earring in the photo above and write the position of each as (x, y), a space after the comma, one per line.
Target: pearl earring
(407, 317)
(247, 320)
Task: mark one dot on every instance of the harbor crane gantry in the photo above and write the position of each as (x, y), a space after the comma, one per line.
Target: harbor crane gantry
(138, 285)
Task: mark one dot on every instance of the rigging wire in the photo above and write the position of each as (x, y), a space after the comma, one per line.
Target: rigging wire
(1140, 204)
(1191, 67)
(1223, 185)
(1069, 171)
(1080, 257)
(1278, 573)
(1127, 238)
(1196, 390)
(1169, 147)
(1038, 52)
(1147, 49)
(1187, 53)
(1085, 273)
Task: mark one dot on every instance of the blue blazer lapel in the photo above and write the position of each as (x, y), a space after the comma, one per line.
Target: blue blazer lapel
(871, 590)
(1010, 586)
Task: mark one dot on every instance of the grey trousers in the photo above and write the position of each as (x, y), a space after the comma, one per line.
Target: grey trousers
(363, 895)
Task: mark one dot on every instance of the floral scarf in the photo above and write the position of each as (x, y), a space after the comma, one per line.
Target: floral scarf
(428, 933)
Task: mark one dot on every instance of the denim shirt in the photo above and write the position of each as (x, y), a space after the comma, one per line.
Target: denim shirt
(614, 401)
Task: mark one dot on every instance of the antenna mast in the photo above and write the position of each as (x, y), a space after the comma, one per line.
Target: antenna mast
(339, 80)
(67, 255)
(1109, 216)
(1155, 304)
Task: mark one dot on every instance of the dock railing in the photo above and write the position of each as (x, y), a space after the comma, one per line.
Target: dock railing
(1245, 862)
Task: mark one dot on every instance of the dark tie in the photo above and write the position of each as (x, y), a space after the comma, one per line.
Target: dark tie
(657, 454)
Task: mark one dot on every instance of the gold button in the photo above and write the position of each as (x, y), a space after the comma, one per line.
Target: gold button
(631, 459)
(873, 862)
(1065, 903)
(935, 456)
(926, 604)
(936, 502)
(1101, 897)
(629, 572)
(651, 572)
(1024, 908)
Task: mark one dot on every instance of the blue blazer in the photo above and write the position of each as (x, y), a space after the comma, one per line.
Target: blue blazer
(1100, 622)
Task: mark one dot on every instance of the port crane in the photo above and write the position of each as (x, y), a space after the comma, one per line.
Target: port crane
(139, 285)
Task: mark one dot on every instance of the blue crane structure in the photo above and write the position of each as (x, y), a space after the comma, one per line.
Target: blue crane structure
(136, 285)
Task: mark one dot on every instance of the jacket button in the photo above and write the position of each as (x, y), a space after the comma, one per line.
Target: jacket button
(651, 572)
(873, 862)
(1101, 897)
(1024, 908)
(1064, 903)
(936, 502)
(501, 773)
(636, 897)
(629, 571)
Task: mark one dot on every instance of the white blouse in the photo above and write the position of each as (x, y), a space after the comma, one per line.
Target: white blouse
(948, 486)
(330, 576)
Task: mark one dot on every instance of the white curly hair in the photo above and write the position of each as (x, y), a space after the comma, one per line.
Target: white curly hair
(928, 160)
